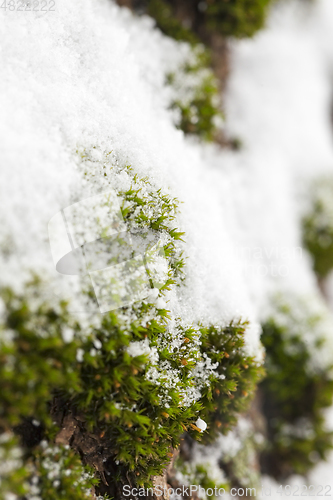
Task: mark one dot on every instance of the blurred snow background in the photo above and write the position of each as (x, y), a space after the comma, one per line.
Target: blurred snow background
(90, 74)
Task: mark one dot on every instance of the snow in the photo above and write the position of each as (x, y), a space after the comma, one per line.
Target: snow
(279, 105)
(223, 449)
(90, 75)
(142, 348)
(95, 92)
(201, 424)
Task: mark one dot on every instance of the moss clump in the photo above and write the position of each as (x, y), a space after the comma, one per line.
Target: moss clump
(162, 12)
(59, 474)
(203, 474)
(34, 358)
(298, 386)
(14, 474)
(196, 96)
(196, 100)
(47, 472)
(230, 393)
(241, 466)
(318, 226)
(113, 396)
(229, 18)
(230, 461)
(119, 388)
(237, 18)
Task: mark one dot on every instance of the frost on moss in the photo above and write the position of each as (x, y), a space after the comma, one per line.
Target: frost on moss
(196, 96)
(122, 387)
(230, 393)
(34, 358)
(196, 99)
(48, 472)
(136, 387)
(203, 472)
(57, 473)
(299, 384)
(318, 226)
(13, 474)
(231, 460)
(239, 454)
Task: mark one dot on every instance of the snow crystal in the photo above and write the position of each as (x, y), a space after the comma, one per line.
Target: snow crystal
(142, 348)
(201, 424)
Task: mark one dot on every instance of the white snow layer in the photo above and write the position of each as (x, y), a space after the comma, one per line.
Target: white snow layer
(90, 74)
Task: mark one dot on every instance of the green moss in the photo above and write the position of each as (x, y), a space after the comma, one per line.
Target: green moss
(200, 474)
(242, 469)
(14, 474)
(230, 393)
(229, 18)
(196, 101)
(237, 18)
(161, 11)
(59, 474)
(130, 381)
(298, 387)
(318, 226)
(228, 462)
(141, 419)
(35, 359)
(49, 472)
